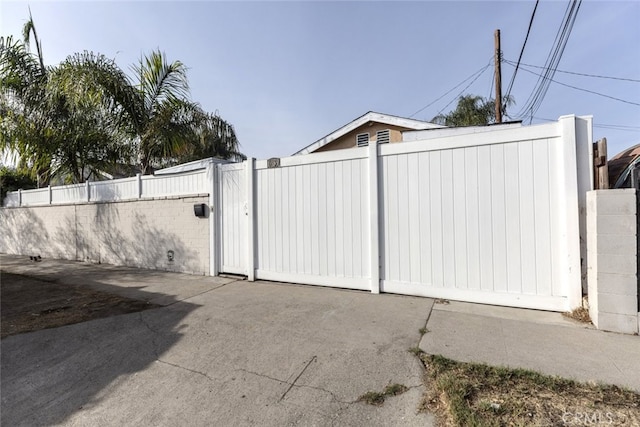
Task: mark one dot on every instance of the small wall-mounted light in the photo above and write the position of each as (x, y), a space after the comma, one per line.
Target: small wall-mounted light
(170, 256)
(199, 210)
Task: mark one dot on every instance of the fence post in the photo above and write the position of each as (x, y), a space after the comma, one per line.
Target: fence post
(20, 197)
(601, 168)
(374, 224)
(88, 190)
(570, 226)
(251, 259)
(212, 174)
(50, 194)
(139, 178)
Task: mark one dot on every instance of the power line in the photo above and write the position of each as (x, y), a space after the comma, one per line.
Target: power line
(491, 88)
(625, 128)
(513, 77)
(452, 89)
(463, 90)
(616, 127)
(582, 89)
(553, 59)
(579, 74)
(481, 70)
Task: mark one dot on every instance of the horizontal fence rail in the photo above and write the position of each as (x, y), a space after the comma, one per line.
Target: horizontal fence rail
(133, 188)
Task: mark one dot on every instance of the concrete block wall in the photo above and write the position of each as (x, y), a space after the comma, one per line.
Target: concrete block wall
(612, 260)
(132, 233)
(46, 231)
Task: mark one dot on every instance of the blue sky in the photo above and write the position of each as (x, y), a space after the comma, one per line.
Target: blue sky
(287, 73)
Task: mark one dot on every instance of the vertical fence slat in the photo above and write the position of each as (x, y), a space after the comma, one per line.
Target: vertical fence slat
(374, 218)
(251, 236)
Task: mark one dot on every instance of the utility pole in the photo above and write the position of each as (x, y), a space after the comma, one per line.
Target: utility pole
(498, 57)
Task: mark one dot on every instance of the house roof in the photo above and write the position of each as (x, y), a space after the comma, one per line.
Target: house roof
(371, 116)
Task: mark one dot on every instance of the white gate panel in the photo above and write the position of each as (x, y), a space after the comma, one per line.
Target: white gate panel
(489, 218)
(312, 221)
(475, 223)
(232, 194)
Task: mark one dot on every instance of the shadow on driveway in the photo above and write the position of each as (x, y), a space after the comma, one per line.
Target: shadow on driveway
(52, 374)
(248, 353)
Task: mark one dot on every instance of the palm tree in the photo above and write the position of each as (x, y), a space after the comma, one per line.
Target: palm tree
(165, 127)
(54, 130)
(214, 138)
(471, 111)
(86, 114)
(25, 119)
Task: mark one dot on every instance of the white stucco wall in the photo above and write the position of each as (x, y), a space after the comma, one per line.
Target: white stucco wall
(132, 233)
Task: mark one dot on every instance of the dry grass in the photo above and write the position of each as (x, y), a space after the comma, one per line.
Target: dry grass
(580, 314)
(469, 394)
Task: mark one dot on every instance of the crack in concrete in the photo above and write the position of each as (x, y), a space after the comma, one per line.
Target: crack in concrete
(426, 323)
(293, 384)
(154, 333)
(333, 396)
(187, 369)
(262, 375)
(202, 293)
(157, 355)
(299, 375)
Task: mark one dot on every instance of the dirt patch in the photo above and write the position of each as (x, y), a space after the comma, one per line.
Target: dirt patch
(463, 394)
(29, 304)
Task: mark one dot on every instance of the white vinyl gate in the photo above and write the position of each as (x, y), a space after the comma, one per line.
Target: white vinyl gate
(490, 218)
(232, 195)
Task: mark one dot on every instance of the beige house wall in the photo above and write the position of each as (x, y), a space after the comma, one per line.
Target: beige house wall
(131, 233)
(349, 140)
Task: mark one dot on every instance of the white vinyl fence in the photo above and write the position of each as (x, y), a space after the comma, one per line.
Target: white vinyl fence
(137, 187)
(491, 218)
(494, 217)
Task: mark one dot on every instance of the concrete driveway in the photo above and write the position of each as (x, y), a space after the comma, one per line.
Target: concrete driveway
(219, 352)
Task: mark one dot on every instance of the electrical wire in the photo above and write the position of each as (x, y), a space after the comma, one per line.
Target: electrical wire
(625, 128)
(582, 89)
(566, 30)
(463, 90)
(513, 77)
(539, 88)
(481, 70)
(553, 59)
(578, 74)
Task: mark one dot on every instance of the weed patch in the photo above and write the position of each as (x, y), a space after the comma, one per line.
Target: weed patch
(464, 394)
(377, 398)
(580, 314)
(416, 351)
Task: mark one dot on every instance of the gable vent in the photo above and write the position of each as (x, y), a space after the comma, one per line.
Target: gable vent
(383, 136)
(362, 139)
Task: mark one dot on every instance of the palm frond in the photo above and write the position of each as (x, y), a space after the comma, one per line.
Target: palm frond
(28, 29)
(161, 82)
